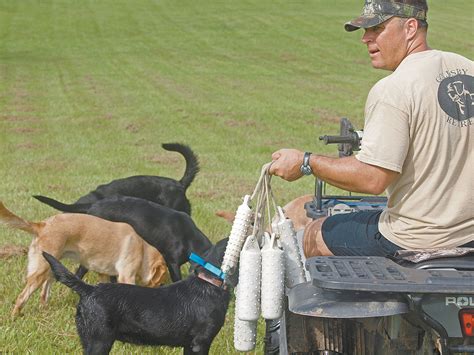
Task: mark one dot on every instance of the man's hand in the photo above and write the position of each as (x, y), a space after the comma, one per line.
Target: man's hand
(286, 164)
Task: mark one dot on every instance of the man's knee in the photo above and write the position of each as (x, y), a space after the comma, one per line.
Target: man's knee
(313, 244)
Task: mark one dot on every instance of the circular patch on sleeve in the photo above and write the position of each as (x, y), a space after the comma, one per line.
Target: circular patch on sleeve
(456, 96)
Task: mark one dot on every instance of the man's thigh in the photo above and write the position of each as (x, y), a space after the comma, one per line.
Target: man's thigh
(356, 234)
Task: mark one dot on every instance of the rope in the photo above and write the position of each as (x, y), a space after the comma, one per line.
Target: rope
(264, 200)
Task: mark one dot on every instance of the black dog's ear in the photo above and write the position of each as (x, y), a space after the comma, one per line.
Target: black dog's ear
(219, 251)
(215, 254)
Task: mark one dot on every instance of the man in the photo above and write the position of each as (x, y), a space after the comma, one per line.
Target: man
(417, 145)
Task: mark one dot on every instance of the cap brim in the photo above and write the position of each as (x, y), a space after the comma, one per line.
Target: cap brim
(366, 21)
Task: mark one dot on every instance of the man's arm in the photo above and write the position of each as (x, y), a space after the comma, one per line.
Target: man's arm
(346, 173)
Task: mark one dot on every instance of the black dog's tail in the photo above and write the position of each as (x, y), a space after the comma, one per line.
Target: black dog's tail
(192, 162)
(72, 208)
(66, 277)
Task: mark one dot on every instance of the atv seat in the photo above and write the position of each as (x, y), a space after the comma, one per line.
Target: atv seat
(457, 263)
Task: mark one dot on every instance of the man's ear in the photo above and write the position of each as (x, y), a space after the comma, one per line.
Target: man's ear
(411, 28)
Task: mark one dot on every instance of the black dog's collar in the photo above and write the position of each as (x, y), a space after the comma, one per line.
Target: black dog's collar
(207, 265)
(212, 280)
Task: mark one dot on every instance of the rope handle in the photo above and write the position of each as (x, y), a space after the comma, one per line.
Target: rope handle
(265, 200)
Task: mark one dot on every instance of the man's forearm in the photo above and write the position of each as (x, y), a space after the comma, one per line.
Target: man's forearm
(352, 175)
(346, 173)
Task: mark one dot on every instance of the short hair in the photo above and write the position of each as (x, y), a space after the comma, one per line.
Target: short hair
(422, 24)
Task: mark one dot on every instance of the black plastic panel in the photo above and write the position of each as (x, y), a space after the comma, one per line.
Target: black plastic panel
(379, 274)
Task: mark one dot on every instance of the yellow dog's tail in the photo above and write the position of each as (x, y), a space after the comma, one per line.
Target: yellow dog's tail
(13, 221)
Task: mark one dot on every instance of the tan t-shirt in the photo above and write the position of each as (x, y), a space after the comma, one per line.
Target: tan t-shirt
(419, 121)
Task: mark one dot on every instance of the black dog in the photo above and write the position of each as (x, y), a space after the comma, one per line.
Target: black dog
(188, 313)
(172, 232)
(162, 190)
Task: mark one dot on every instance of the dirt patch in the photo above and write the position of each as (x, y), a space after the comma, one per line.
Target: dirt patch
(229, 115)
(27, 145)
(140, 142)
(224, 114)
(91, 83)
(173, 86)
(52, 187)
(50, 165)
(278, 143)
(132, 128)
(223, 187)
(323, 115)
(207, 194)
(23, 130)
(288, 57)
(165, 159)
(15, 118)
(236, 123)
(8, 251)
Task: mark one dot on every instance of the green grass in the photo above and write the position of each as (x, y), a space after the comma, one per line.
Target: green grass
(90, 89)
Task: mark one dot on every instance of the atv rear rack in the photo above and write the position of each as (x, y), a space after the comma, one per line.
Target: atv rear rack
(379, 274)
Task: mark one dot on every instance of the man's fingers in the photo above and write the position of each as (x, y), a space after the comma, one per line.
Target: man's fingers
(276, 155)
(271, 168)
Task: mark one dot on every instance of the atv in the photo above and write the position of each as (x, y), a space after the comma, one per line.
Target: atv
(413, 303)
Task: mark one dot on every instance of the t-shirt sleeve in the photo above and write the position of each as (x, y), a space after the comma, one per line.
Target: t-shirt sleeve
(386, 136)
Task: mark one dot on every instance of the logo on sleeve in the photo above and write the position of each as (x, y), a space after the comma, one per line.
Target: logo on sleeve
(456, 98)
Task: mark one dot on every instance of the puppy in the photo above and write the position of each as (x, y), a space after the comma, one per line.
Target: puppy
(187, 314)
(119, 251)
(294, 210)
(172, 232)
(162, 190)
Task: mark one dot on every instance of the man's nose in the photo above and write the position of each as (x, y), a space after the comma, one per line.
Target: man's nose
(367, 37)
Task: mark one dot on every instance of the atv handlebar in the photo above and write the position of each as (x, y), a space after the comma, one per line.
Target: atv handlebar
(348, 140)
(353, 139)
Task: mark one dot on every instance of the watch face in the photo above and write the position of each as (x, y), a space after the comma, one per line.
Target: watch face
(306, 169)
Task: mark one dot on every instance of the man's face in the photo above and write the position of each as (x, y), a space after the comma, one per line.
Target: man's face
(387, 43)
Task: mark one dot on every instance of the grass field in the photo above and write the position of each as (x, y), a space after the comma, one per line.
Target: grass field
(90, 89)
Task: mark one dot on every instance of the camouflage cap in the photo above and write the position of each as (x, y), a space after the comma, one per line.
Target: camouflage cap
(378, 11)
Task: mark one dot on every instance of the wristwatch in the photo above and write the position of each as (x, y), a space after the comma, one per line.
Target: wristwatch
(305, 167)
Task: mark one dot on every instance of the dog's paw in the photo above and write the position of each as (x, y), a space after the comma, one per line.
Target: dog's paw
(16, 313)
(196, 348)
